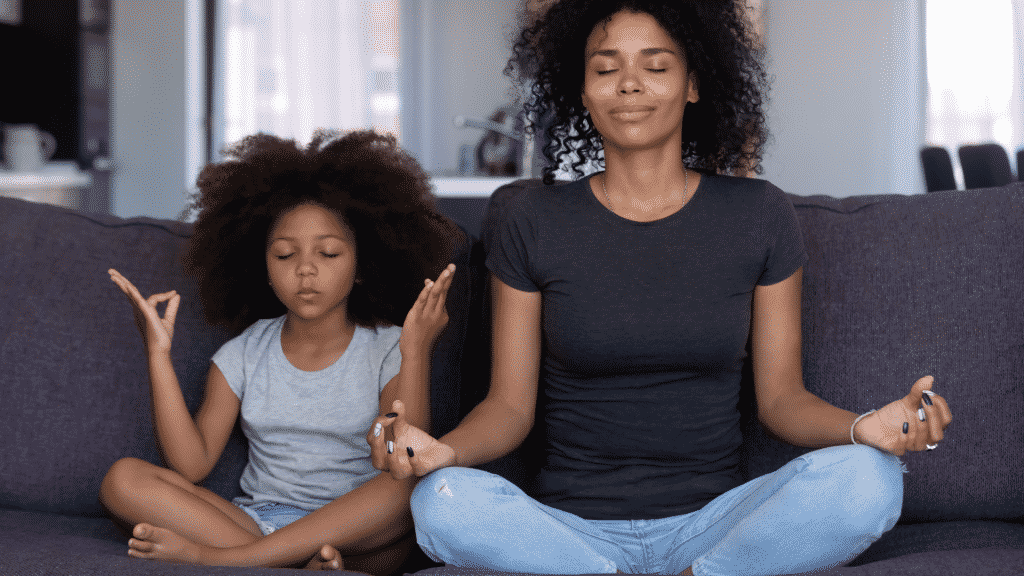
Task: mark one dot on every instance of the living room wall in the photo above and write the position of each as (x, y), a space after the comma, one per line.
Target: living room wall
(846, 111)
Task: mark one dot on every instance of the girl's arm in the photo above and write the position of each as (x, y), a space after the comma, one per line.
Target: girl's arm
(498, 424)
(189, 447)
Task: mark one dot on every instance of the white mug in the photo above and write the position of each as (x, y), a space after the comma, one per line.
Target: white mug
(26, 147)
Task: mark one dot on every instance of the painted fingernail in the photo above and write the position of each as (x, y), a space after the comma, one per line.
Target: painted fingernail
(928, 393)
(920, 414)
(391, 447)
(377, 430)
(408, 450)
(391, 415)
(906, 427)
(926, 399)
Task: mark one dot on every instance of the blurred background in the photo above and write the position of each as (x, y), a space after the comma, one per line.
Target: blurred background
(139, 94)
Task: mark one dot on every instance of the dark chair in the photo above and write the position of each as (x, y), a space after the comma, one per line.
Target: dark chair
(985, 166)
(938, 169)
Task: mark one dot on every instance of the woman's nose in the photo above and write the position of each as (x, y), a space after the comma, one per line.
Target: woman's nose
(629, 83)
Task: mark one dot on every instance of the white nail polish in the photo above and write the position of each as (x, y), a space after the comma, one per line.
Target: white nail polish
(929, 392)
(920, 414)
(391, 447)
(377, 430)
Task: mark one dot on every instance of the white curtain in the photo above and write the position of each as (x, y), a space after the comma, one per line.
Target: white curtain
(974, 73)
(292, 66)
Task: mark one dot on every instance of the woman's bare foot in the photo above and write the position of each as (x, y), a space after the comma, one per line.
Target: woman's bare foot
(327, 559)
(155, 543)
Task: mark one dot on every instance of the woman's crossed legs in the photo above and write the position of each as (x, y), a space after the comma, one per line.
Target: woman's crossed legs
(819, 510)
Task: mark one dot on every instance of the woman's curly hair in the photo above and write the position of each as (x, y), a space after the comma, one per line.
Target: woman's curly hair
(375, 188)
(723, 132)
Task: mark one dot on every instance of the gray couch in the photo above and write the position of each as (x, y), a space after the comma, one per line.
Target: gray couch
(896, 287)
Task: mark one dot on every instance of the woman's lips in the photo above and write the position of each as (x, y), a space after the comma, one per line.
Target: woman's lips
(631, 113)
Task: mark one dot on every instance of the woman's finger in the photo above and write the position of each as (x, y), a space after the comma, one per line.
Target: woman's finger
(945, 415)
(378, 436)
(932, 420)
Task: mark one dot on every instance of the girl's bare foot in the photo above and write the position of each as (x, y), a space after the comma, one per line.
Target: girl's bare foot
(327, 559)
(155, 543)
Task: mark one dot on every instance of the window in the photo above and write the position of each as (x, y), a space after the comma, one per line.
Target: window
(288, 67)
(971, 74)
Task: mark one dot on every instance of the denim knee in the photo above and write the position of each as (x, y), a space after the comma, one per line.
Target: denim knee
(441, 502)
(872, 483)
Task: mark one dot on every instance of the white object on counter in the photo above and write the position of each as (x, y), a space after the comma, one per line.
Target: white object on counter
(55, 183)
(468, 187)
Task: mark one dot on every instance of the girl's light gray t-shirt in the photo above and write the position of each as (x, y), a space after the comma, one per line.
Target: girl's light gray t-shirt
(307, 430)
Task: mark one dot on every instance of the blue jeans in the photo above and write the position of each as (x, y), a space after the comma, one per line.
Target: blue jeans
(818, 511)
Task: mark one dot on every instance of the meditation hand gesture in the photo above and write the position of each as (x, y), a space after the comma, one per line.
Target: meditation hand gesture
(914, 422)
(157, 332)
(403, 449)
(428, 315)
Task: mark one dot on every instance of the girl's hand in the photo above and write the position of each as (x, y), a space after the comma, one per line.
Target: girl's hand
(156, 331)
(412, 451)
(428, 316)
(898, 426)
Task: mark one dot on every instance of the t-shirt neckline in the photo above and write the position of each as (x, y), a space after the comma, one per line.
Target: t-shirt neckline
(299, 372)
(608, 213)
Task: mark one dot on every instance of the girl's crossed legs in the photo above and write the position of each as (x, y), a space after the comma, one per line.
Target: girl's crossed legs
(167, 515)
(820, 510)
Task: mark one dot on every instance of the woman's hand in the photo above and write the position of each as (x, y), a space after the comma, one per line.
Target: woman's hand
(898, 426)
(156, 331)
(412, 451)
(428, 315)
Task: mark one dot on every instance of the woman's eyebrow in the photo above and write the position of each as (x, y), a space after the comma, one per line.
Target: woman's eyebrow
(320, 237)
(610, 52)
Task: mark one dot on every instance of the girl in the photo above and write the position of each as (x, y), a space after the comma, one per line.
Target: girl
(317, 252)
(623, 304)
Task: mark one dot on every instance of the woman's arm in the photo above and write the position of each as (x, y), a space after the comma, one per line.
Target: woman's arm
(189, 447)
(501, 422)
(792, 414)
(785, 408)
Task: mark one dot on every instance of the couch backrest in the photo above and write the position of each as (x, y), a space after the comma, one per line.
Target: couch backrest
(898, 287)
(73, 375)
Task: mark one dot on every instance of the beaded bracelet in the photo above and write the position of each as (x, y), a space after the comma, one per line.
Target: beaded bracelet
(858, 420)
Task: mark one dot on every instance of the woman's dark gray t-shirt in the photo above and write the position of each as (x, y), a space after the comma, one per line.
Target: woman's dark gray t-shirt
(645, 326)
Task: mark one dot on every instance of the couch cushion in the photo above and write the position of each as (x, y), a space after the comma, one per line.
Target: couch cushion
(72, 367)
(899, 287)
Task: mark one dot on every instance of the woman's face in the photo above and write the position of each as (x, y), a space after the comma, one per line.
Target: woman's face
(311, 262)
(636, 83)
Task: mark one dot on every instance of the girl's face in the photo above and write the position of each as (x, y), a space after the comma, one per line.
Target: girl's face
(636, 83)
(311, 262)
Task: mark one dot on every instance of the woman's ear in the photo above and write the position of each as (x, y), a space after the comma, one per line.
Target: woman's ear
(693, 90)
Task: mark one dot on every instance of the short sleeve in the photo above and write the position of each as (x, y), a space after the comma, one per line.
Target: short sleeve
(514, 241)
(785, 243)
(392, 355)
(229, 359)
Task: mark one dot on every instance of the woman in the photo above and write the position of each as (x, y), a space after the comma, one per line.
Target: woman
(631, 295)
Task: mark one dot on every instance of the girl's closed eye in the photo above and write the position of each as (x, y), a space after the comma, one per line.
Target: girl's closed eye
(283, 256)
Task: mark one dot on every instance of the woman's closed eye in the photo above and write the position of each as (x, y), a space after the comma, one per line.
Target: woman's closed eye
(283, 256)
